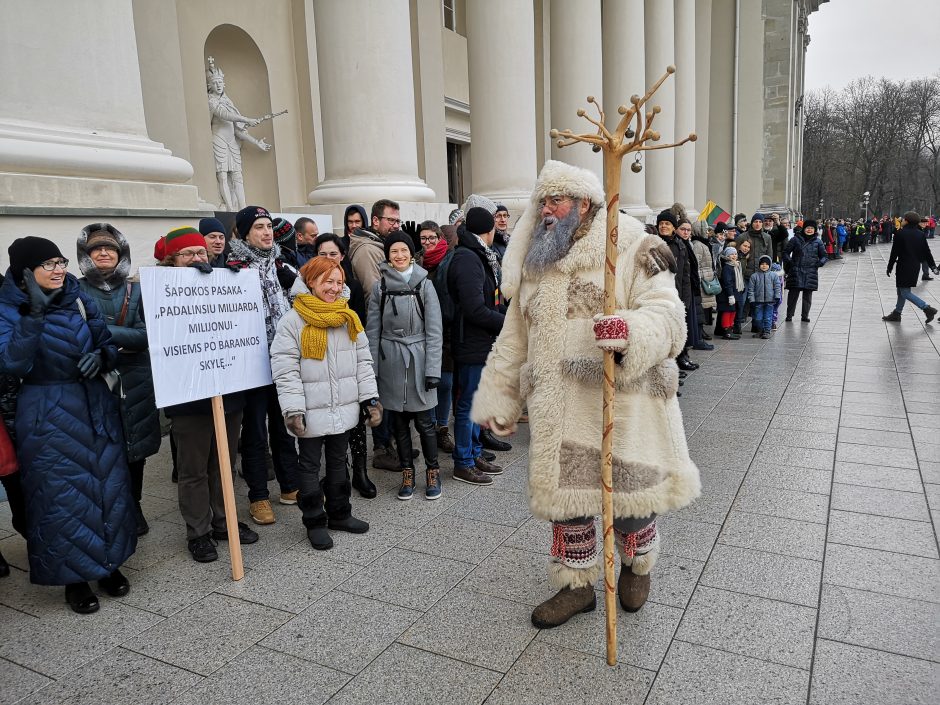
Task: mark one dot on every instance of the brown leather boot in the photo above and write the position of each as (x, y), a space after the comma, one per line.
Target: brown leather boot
(566, 603)
(632, 589)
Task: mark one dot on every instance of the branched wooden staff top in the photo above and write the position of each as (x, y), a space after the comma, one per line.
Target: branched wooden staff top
(615, 145)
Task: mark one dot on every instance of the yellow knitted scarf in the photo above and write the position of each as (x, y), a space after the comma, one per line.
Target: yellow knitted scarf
(319, 315)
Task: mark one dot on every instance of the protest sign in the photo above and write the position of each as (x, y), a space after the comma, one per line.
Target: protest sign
(206, 332)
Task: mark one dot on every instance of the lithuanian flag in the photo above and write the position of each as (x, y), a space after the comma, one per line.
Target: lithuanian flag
(712, 214)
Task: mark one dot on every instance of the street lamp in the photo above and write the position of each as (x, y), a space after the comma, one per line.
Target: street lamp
(866, 196)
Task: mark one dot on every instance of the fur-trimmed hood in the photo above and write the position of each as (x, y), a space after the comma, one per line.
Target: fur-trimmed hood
(556, 178)
(119, 274)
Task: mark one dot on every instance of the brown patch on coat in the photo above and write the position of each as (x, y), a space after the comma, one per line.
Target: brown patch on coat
(584, 298)
(660, 381)
(526, 380)
(654, 256)
(581, 467)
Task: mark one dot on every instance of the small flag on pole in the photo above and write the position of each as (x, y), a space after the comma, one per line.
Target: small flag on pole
(712, 214)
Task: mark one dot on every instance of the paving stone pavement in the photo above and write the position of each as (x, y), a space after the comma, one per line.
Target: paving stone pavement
(808, 571)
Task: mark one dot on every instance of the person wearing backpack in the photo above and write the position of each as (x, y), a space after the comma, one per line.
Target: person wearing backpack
(405, 334)
(436, 258)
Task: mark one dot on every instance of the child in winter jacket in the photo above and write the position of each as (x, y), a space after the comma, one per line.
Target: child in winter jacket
(763, 291)
(732, 291)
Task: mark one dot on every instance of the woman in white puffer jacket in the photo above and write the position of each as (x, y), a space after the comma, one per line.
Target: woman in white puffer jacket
(323, 371)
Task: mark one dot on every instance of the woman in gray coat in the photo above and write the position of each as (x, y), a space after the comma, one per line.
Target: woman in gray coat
(104, 258)
(405, 332)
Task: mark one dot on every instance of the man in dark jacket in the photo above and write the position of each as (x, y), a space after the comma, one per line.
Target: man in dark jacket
(666, 223)
(779, 236)
(307, 232)
(908, 250)
(473, 282)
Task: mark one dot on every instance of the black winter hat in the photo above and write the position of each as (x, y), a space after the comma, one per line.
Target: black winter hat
(211, 225)
(479, 221)
(246, 217)
(28, 253)
(720, 227)
(739, 217)
(398, 236)
(758, 216)
(668, 216)
(810, 224)
(764, 257)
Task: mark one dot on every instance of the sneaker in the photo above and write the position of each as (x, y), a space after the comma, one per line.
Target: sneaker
(445, 443)
(261, 512)
(385, 459)
(471, 476)
(930, 312)
(485, 466)
(765, 335)
(407, 489)
(433, 491)
(288, 497)
(245, 534)
(203, 549)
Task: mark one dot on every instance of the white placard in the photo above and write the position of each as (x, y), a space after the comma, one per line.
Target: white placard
(205, 331)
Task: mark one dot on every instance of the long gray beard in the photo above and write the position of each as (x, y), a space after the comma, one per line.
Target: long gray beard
(548, 246)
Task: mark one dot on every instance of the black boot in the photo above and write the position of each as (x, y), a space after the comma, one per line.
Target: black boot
(116, 585)
(81, 599)
(491, 442)
(360, 478)
(4, 567)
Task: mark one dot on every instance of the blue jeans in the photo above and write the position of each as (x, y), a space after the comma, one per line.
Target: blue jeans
(905, 294)
(740, 301)
(467, 447)
(763, 315)
(444, 392)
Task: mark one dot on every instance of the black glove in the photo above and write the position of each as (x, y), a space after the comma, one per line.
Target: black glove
(235, 265)
(39, 300)
(411, 227)
(285, 277)
(203, 267)
(431, 383)
(889, 271)
(89, 365)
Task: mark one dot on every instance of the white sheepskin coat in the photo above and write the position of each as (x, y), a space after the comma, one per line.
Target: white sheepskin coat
(546, 357)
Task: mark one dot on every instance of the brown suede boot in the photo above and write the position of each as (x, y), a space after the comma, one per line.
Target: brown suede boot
(566, 603)
(632, 589)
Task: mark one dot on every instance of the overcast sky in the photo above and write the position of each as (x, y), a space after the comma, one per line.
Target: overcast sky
(854, 38)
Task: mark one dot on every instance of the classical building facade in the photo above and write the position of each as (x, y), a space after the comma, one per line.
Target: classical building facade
(104, 110)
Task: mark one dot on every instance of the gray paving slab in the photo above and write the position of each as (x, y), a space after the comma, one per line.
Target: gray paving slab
(268, 678)
(850, 675)
(886, 533)
(872, 500)
(117, 676)
(686, 539)
(512, 574)
(774, 631)
(206, 635)
(789, 478)
(762, 574)
(385, 680)
(342, 631)
(886, 478)
(780, 502)
(880, 571)
(788, 537)
(876, 455)
(706, 676)
(575, 678)
(674, 580)
(17, 682)
(878, 621)
(479, 629)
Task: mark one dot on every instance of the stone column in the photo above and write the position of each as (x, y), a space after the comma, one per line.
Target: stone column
(703, 58)
(625, 75)
(660, 53)
(684, 180)
(576, 72)
(777, 175)
(502, 99)
(367, 103)
(72, 128)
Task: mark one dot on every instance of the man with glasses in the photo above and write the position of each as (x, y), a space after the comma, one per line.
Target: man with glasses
(366, 248)
(501, 240)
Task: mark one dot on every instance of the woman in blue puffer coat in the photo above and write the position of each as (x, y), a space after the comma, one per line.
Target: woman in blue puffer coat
(80, 519)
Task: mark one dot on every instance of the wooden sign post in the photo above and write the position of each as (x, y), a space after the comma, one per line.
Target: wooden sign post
(615, 146)
(228, 489)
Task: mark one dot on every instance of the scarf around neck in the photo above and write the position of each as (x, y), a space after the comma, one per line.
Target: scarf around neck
(433, 257)
(320, 315)
(272, 294)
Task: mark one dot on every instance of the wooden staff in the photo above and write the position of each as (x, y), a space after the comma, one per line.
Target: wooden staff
(228, 491)
(615, 145)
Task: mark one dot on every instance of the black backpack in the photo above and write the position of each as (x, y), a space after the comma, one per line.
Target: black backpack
(448, 307)
(386, 294)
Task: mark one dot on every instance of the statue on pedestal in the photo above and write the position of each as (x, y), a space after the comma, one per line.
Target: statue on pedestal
(229, 129)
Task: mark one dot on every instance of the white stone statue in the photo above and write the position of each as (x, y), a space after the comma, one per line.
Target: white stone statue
(229, 129)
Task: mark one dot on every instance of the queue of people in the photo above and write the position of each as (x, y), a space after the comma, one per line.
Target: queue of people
(383, 327)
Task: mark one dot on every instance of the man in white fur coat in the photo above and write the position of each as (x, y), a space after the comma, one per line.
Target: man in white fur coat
(549, 356)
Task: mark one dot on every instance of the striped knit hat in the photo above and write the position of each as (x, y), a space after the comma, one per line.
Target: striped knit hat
(179, 238)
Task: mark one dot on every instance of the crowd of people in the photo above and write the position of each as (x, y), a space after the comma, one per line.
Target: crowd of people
(386, 326)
